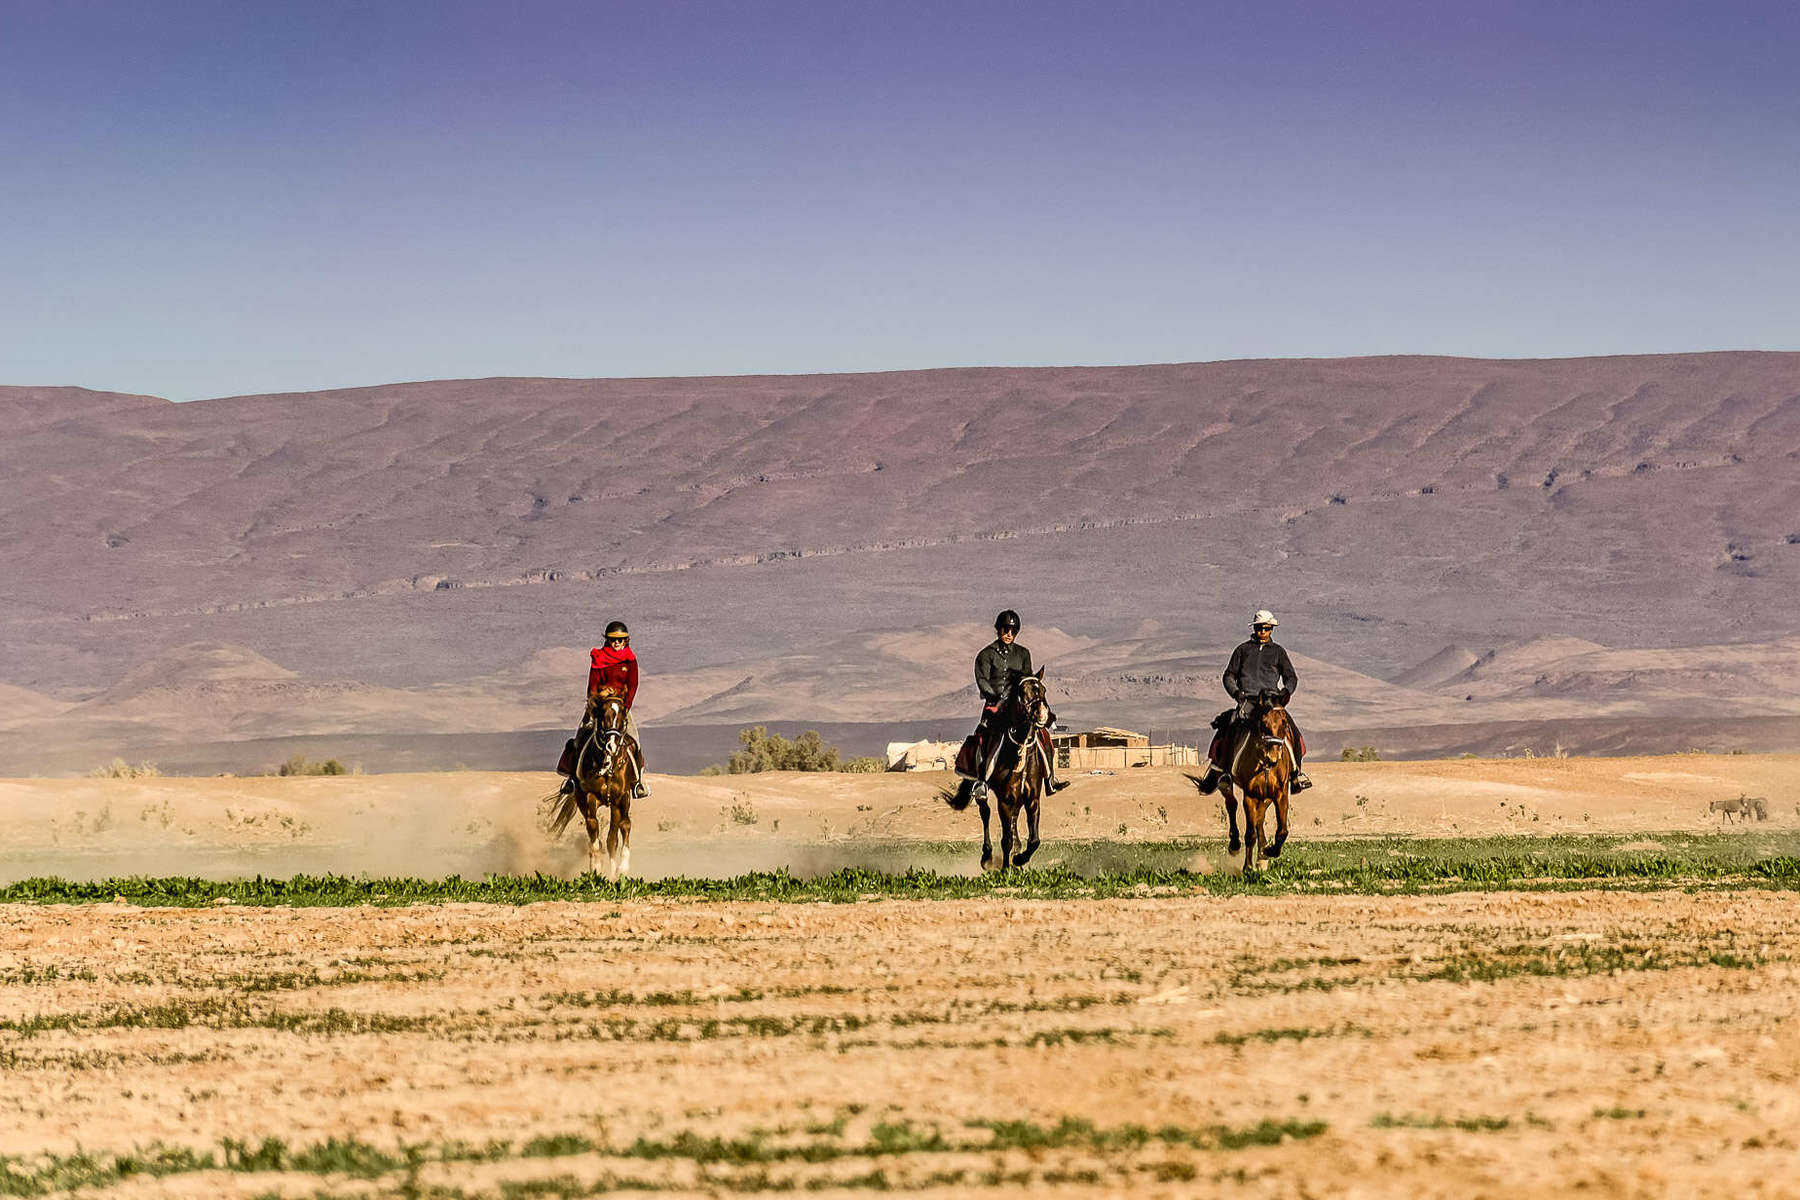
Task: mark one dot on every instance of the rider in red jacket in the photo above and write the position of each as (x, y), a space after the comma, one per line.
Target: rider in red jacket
(614, 665)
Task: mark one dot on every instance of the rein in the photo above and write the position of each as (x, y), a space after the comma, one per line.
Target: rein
(605, 739)
(1026, 727)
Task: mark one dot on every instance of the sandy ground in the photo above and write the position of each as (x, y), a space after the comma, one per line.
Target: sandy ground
(1600, 1043)
(1465, 1045)
(478, 822)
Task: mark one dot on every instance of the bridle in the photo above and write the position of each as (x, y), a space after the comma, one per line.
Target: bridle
(607, 732)
(1265, 741)
(1034, 716)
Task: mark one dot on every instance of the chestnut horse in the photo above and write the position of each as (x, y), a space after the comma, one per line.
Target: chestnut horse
(1017, 770)
(1260, 769)
(605, 769)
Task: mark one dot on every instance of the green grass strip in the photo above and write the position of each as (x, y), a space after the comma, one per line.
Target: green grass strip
(1374, 866)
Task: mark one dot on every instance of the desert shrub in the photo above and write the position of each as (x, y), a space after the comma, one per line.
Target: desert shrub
(867, 765)
(118, 768)
(1361, 754)
(299, 764)
(765, 751)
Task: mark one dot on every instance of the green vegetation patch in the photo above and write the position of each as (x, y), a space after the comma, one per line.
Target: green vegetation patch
(216, 1014)
(1466, 1124)
(1072, 870)
(47, 1174)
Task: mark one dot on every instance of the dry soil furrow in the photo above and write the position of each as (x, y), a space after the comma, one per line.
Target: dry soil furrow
(1625, 1044)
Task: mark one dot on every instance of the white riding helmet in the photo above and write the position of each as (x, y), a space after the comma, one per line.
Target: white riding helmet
(1264, 617)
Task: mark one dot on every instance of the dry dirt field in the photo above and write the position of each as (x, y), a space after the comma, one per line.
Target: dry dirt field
(1591, 1042)
(1469, 1045)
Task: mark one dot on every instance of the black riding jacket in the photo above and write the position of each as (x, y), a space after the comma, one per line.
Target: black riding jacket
(998, 668)
(1256, 667)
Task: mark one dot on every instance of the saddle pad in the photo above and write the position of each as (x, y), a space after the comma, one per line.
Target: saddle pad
(965, 758)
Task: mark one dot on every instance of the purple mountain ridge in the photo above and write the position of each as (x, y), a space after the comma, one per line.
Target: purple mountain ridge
(777, 537)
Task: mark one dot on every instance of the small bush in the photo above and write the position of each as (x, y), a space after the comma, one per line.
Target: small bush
(1361, 754)
(299, 764)
(866, 766)
(765, 751)
(118, 768)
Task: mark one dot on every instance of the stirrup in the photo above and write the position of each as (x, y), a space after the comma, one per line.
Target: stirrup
(1209, 782)
(978, 789)
(1299, 783)
(568, 786)
(1057, 785)
(639, 791)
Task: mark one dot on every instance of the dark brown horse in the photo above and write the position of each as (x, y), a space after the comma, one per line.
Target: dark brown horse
(1017, 770)
(1260, 769)
(605, 769)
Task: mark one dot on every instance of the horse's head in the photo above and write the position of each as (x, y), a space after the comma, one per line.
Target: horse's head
(1268, 716)
(1033, 699)
(606, 709)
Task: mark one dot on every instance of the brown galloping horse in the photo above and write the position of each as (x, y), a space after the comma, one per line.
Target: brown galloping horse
(1017, 772)
(1261, 767)
(605, 769)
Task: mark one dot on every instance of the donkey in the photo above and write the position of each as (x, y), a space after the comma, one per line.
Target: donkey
(1017, 771)
(1261, 768)
(605, 770)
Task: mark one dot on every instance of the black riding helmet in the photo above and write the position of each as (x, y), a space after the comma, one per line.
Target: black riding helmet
(1008, 620)
(617, 629)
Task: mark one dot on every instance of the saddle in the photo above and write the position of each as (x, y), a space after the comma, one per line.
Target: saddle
(565, 765)
(971, 752)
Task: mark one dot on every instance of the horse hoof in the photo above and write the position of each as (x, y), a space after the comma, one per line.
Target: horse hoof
(1273, 852)
(1234, 847)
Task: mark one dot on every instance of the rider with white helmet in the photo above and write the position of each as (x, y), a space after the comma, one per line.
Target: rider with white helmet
(1258, 665)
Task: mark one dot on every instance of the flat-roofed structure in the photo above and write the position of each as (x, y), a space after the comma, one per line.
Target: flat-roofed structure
(1105, 748)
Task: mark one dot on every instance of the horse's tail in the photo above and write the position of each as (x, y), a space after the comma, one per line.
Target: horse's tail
(558, 808)
(957, 797)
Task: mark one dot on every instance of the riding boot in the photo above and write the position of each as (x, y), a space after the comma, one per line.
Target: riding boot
(568, 786)
(1056, 785)
(978, 788)
(1209, 782)
(1299, 783)
(639, 788)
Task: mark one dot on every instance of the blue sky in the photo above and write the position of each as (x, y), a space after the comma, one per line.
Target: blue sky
(203, 199)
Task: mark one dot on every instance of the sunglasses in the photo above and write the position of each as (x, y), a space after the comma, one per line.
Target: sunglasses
(617, 641)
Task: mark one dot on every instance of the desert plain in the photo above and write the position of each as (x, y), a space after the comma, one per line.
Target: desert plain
(1625, 1036)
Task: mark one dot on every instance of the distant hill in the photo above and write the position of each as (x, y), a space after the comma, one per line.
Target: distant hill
(1447, 663)
(761, 534)
(21, 704)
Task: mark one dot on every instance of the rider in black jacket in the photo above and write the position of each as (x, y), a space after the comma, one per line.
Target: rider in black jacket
(998, 669)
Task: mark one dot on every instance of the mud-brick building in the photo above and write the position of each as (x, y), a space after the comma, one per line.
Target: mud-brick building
(1099, 749)
(1106, 748)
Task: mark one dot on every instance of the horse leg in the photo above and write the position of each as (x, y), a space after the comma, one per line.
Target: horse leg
(590, 817)
(1252, 830)
(1009, 831)
(1033, 807)
(987, 842)
(1231, 806)
(1281, 824)
(621, 831)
